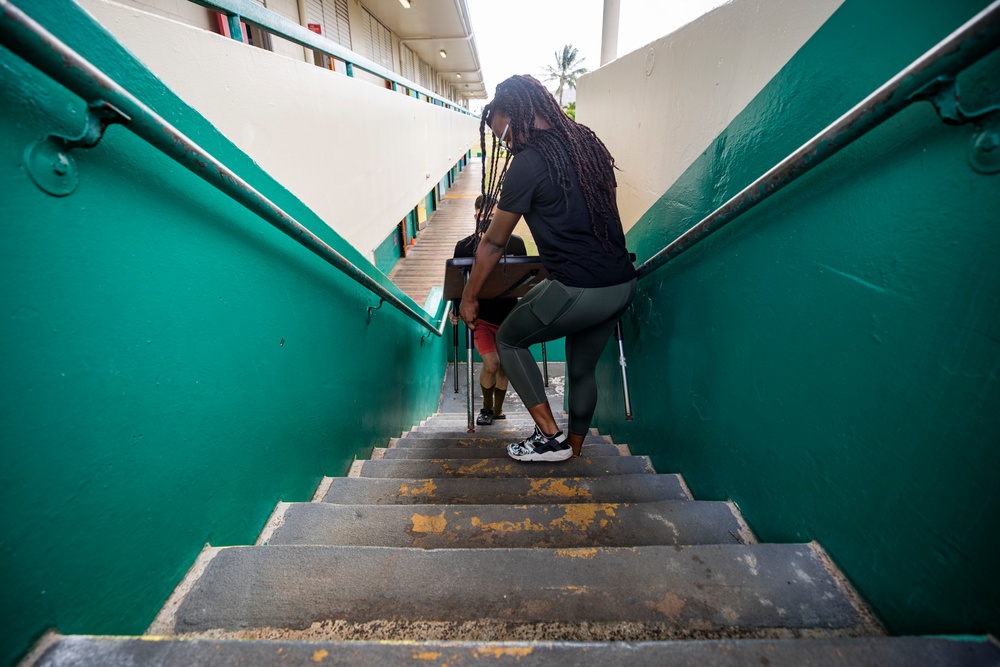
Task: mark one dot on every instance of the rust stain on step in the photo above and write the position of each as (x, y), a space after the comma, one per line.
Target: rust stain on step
(670, 605)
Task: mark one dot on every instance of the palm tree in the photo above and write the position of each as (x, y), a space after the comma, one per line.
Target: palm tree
(566, 70)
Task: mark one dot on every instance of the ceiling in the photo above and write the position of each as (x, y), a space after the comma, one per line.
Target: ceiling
(430, 26)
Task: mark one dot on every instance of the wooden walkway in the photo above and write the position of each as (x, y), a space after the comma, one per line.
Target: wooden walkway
(423, 266)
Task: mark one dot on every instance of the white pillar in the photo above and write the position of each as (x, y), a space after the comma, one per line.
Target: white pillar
(609, 31)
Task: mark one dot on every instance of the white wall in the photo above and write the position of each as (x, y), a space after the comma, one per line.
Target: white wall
(180, 10)
(358, 155)
(658, 108)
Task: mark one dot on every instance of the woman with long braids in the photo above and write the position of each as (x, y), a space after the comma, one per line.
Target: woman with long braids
(561, 179)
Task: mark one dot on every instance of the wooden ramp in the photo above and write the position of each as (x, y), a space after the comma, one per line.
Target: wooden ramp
(423, 266)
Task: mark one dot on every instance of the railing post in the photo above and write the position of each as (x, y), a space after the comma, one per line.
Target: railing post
(235, 27)
(455, 332)
(545, 365)
(620, 337)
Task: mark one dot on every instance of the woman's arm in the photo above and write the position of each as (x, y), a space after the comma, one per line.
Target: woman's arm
(488, 255)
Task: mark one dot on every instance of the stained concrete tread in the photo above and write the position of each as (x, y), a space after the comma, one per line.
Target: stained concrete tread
(507, 467)
(669, 522)
(481, 433)
(521, 491)
(504, 436)
(471, 440)
(841, 652)
(494, 450)
(638, 593)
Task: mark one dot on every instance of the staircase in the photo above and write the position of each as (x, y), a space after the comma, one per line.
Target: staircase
(458, 555)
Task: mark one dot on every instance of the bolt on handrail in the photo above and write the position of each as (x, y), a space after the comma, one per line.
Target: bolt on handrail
(276, 24)
(33, 43)
(923, 79)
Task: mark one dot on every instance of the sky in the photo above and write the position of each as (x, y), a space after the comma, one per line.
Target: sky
(522, 36)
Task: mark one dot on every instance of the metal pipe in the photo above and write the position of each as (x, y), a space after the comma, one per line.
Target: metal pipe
(25, 37)
(921, 80)
(468, 366)
(455, 332)
(469, 374)
(545, 365)
(620, 336)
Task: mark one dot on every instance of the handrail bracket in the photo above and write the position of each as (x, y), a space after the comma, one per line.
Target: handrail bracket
(984, 149)
(48, 160)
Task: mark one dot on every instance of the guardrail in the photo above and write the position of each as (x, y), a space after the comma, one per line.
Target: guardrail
(931, 77)
(253, 13)
(109, 103)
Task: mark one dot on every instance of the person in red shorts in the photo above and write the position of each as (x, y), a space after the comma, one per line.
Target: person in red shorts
(492, 313)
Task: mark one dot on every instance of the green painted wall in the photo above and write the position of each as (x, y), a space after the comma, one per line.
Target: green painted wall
(830, 360)
(172, 365)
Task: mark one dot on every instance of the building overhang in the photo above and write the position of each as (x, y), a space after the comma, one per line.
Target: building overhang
(430, 27)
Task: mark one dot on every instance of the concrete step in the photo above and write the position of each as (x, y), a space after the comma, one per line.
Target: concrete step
(481, 435)
(522, 491)
(456, 451)
(507, 467)
(670, 522)
(841, 652)
(460, 419)
(592, 594)
(507, 431)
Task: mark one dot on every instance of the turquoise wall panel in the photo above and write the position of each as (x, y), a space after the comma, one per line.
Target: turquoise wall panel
(829, 361)
(388, 252)
(172, 365)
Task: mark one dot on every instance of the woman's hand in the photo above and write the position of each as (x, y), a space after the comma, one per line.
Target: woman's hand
(469, 310)
(452, 317)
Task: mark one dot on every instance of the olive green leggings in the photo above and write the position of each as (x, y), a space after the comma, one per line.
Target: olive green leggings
(586, 316)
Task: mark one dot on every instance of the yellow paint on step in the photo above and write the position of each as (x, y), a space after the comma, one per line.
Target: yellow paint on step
(576, 553)
(556, 487)
(429, 524)
(426, 655)
(580, 517)
(320, 654)
(482, 466)
(502, 651)
(425, 489)
(506, 526)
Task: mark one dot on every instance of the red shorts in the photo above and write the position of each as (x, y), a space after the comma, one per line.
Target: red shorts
(485, 337)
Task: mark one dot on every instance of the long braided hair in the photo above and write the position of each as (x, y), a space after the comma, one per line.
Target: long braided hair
(567, 147)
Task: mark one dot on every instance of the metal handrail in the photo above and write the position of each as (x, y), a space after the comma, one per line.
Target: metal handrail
(925, 79)
(33, 43)
(276, 24)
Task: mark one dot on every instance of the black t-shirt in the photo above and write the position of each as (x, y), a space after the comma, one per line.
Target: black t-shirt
(494, 311)
(560, 225)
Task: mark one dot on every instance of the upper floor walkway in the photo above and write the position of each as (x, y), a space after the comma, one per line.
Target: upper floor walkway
(422, 267)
